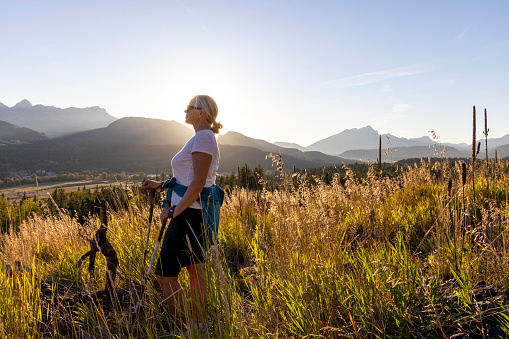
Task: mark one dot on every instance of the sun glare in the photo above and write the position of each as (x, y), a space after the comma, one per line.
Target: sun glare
(184, 79)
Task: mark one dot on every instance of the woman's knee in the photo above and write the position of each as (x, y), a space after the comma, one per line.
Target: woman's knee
(166, 280)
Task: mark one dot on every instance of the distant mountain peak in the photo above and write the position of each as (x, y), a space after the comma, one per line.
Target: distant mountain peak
(23, 104)
(54, 121)
(366, 128)
(234, 133)
(3, 106)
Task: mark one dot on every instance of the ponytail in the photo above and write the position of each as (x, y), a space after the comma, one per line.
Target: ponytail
(216, 126)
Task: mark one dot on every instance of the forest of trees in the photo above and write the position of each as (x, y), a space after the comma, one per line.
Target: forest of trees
(80, 204)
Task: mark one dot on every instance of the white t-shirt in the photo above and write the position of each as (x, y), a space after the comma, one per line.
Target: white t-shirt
(182, 163)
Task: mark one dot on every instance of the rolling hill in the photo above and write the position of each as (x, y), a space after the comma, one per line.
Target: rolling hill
(57, 156)
(12, 134)
(290, 145)
(134, 130)
(503, 151)
(238, 139)
(142, 144)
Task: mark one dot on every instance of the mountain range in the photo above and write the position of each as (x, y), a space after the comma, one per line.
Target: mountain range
(362, 144)
(362, 138)
(365, 138)
(54, 121)
(142, 144)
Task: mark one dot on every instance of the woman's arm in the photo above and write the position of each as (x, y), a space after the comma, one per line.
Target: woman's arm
(201, 166)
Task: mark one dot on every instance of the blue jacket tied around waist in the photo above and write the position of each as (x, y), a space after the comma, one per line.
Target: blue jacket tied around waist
(211, 198)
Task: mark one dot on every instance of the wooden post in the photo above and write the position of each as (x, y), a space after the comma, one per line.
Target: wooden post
(102, 214)
(107, 250)
(91, 260)
(473, 157)
(247, 177)
(238, 177)
(486, 130)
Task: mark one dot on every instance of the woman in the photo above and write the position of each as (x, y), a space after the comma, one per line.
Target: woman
(194, 166)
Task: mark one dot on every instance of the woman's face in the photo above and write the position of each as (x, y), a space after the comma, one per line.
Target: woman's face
(192, 113)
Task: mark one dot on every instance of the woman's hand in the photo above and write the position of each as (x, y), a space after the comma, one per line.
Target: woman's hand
(151, 184)
(167, 212)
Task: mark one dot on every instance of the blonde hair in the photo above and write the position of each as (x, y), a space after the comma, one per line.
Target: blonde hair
(209, 105)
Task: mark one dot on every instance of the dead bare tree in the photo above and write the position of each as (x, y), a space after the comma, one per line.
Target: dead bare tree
(101, 243)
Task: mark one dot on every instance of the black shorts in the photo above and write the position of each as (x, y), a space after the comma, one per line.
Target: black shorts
(182, 244)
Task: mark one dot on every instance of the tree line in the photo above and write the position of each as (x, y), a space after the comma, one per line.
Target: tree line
(81, 204)
(84, 202)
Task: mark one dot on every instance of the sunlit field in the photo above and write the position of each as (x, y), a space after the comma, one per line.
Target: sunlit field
(422, 253)
(42, 190)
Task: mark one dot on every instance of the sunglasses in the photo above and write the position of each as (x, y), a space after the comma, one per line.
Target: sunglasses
(191, 107)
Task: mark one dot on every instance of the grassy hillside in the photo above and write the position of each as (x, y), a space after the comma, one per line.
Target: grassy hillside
(422, 254)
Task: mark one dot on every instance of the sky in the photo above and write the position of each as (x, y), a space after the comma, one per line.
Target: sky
(293, 71)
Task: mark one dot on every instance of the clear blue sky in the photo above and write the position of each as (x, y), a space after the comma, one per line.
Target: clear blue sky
(295, 71)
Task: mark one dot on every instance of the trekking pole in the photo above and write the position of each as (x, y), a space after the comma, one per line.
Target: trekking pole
(136, 308)
(152, 198)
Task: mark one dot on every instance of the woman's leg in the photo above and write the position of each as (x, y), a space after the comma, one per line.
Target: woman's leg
(198, 287)
(174, 295)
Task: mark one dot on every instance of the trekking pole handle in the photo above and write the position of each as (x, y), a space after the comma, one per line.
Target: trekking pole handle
(152, 196)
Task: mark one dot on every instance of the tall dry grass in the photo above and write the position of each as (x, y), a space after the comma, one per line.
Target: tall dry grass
(360, 258)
